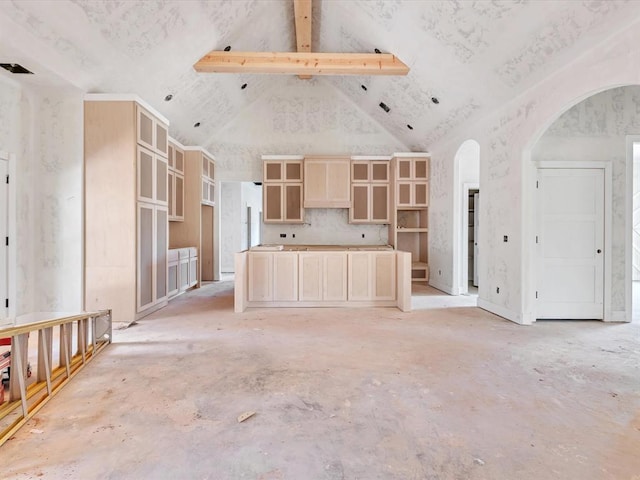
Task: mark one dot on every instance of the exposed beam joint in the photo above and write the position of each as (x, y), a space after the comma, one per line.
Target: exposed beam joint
(302, 11)
(302, 63)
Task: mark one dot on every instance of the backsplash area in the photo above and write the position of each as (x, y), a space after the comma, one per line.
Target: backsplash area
(325, 226)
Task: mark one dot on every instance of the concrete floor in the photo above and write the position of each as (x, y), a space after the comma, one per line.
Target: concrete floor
(454, 393)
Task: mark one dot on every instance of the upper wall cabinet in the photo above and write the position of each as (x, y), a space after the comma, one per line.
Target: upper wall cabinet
(327, 182)
(412, 182)
(370, 197)
(176, 182)
(282, 190)
(152, 133)
(208, 180)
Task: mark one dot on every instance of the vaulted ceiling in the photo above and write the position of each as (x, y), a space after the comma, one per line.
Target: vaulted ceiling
(472, 56)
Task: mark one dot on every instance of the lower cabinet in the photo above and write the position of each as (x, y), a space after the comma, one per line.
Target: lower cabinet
(173, 260)
(372, 276)
(323, 277)
(152, 241)
(183, 270)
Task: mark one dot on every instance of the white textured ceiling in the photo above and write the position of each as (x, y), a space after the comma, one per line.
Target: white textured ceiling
(472, 55)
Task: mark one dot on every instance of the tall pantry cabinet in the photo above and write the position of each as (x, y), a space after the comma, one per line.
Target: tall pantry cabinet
(126, 207)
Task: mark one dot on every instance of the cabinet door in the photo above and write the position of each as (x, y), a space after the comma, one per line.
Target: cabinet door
(272, 171)
(339, 183)
(161, 247)
(384, 276)
(379, 196)
(171, 156)
(315, 185)
(420, 168)
(420, 194)
(293, 171)
(171, 181)
(145, 180)
(285, 277)
(162, 137)
(335, 277)
(359, 276)
(359, 211)
(179, 160)
(404, 194)
(145, 256)
(310, 276)
(145, 128)
(161, 193)
(273, 195)
(260, 276)
(205, 191)
(404, 169)
(293, 211)
(183, 274)
(379, 171)
(193, 271)
(359, 171)
(212, 193)
(179, 208)
(172, 279)
(212, 170)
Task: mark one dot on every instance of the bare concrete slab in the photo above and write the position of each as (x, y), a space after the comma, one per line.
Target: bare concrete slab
(438, 393)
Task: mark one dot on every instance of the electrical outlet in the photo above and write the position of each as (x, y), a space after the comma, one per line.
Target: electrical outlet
(283, 235)
(293, 235)
(439, 272)
(497, 289)
(363, 235)
(506, 238)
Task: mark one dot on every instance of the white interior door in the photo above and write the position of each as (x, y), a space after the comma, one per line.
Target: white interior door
(476, 228)
(4, 249)
(570, 205)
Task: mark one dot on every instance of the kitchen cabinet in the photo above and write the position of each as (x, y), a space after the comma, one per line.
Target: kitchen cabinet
(282, 189)
(370, 199)
(208, 180)
(327, 182)
(176, 182)
(323, 276)
(173, 262)
(372, 276)
(260, 277)
(125, 151)
(409, 229)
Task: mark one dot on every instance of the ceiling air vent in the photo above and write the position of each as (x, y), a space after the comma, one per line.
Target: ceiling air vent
(15, 68)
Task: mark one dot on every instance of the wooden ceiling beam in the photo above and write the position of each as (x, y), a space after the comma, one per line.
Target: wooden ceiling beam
(302, 63)
(302, 11)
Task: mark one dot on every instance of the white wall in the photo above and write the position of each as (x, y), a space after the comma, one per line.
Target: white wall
(43, 128)
(636, 213)
(309, 117)
(251, 197)
(506, 175)
(231, 223)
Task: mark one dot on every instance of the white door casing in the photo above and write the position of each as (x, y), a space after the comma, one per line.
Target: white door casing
(4, 247)
(570, 243)
(476, 229)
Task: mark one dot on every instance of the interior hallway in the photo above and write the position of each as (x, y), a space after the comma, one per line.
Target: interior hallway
(343, 394)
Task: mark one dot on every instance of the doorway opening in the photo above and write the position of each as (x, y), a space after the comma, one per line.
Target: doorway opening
(635, 232)
(473, 208)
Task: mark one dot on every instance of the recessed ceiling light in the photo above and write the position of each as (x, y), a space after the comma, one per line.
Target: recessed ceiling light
(409, 127)
(384, 107)
(244, 85)
(435, 100)
(168, 98)
(15, 68)
(196, 125)
(364, 87)
(227, 48)
(376, 50)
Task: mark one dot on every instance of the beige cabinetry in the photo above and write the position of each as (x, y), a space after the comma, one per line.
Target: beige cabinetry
(176, 181)
(197, 228)
(208, 180)
(372, 276)
(370, 199)
(282, 190)
(327, 182)
(273, 277)
(323, 276)
(409, 229)
(126, 207)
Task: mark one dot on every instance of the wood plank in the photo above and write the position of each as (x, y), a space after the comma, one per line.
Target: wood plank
(302, 63)
(302, 12)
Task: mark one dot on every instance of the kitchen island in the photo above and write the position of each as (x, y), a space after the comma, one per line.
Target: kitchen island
(322, 276)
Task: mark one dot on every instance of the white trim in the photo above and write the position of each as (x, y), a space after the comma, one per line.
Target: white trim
(128, 97)
(532, 220)
(628, 230)
(443, 288)
(12, 267)
(411, 154)
(618, 316)
(282, 157)
(380, 158)
(502, 312)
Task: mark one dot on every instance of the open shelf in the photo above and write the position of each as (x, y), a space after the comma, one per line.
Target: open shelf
(419, 272)
(409, 218)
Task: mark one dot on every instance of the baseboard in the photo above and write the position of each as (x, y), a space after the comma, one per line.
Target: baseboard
(501, 311)
(445, 288)
(618, 316)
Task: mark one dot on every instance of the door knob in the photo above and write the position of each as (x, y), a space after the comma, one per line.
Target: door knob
(598, 251)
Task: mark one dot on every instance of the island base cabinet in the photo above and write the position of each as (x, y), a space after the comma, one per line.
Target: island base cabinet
(323, 279)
